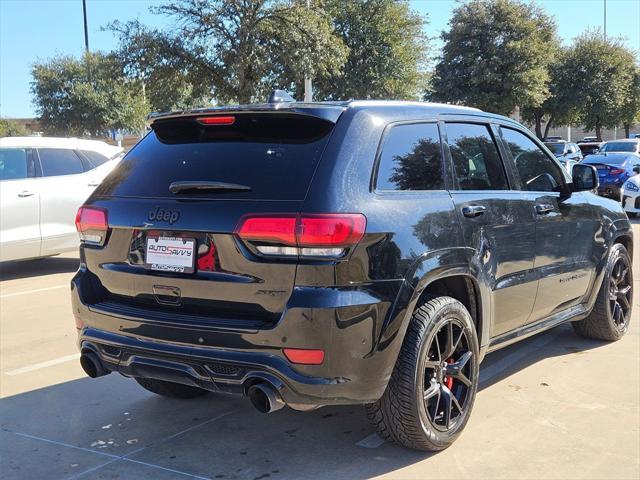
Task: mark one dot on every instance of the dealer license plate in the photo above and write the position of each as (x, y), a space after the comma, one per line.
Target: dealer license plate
(170, 254)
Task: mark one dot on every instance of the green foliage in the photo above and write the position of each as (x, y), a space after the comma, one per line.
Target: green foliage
(87, 96)
(603, 79)
(230, 50)
(562, 106)
(630, 112)
(158, 62)
(11, 128)
(496, 55)
(387, 51)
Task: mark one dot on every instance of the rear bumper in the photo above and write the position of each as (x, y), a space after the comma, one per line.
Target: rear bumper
(346, 323)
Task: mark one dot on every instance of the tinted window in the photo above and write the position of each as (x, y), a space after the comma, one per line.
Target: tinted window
(556, 148)
(537, 171)
(475, 157)
(411, 158)
(58, 161)
(14, 163)
(619, 147)
(95, 159)
(275, 154)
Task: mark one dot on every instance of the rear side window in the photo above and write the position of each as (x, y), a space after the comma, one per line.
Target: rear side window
(475, 157)
(537, 171)
(95, 159)
(411, 158)
(59, 161)
(274, 154)
(15, 163)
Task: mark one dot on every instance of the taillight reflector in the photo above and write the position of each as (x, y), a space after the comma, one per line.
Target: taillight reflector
(269, 229)
(303, 356)
(92, 224)
(217, 120)
(331, 230)
(616, 171)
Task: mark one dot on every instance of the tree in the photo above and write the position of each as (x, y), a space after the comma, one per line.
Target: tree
(562, 105)
(388, 51)
(604, 72)
(631, 104)
(495, 56)
(236, 50)
(157, 61)
(86, 97)
(11, 128)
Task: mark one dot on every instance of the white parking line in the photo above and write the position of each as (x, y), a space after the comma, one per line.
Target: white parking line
(38, 366)
(27, 292)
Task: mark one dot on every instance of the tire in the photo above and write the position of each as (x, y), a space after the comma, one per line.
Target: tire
(170, 389)
(609, 319)
(409, 412)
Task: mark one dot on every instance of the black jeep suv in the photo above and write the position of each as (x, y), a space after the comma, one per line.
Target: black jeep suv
(308, 254)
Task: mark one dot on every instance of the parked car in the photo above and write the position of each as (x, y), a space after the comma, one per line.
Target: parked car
(589, 148)
(589, 139)
(631, 194)
(361, 252)
(43, 181)
(613, 170)
(567, 153)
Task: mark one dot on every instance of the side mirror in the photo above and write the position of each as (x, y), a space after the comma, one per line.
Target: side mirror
(585, 177)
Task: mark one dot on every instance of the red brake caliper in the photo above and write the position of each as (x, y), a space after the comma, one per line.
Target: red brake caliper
(448, 381)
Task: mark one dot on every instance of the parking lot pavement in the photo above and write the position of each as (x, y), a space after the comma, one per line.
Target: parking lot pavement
(553, 406)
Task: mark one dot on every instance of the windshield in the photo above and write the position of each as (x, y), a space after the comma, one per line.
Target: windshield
(619, 147)
(556, 148)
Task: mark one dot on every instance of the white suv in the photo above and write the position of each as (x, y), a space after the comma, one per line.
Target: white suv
(43, 181)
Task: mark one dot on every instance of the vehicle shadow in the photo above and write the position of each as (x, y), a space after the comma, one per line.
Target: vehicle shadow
(216, 436)
(38, 267)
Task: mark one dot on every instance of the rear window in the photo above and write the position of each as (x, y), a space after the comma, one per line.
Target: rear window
(556, 148)
(619, 147)
(275, 154)
(95, 159)
(411, 158)
(58, 161)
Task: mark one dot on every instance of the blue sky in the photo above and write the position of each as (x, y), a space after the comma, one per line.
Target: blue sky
(32, 30)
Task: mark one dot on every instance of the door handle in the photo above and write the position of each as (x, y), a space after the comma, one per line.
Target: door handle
(472, 211)
(544, 208)
(25, 193)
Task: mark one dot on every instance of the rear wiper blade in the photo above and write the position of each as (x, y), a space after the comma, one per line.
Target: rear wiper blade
(186, 186)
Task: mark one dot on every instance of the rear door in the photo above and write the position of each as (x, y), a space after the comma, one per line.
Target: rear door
(565, 231)
(241, 164)
(497, 222)
(19, 204)
(62, 188)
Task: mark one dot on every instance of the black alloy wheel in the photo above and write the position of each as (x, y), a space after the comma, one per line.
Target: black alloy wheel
(620, 292)
(448, 375)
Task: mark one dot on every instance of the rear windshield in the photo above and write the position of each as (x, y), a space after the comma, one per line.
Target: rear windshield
(274, 154)
(556, 148)
(619, 147)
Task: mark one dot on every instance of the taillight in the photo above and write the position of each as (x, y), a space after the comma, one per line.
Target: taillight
(306, 235)
(616, 171)
(92, 225)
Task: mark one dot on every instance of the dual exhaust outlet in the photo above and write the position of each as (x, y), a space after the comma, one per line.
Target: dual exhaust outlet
(263, 396)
